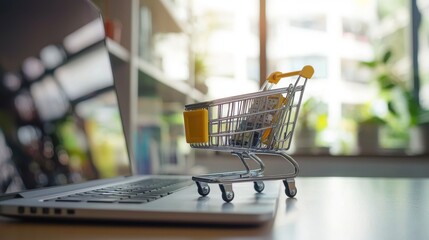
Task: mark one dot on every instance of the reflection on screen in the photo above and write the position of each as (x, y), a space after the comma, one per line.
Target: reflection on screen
(59, 123)
(85, 74)
(49, 99)
(105, 134)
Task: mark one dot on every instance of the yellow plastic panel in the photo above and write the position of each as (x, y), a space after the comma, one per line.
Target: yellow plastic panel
(196, 126)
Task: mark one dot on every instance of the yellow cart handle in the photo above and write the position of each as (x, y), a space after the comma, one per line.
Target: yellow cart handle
(307, 72)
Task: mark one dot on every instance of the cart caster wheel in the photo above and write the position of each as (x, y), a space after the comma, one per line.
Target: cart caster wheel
(203, 189)
(227, 196)
(227, 193)
(291, 192)
(290, 188)
(259, 186)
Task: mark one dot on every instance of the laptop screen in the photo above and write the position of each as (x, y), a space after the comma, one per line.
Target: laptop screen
(59, 116)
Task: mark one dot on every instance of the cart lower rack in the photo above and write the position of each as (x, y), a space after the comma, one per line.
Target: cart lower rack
(248, 125)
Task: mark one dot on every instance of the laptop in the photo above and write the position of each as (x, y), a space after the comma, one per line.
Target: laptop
(63, 151)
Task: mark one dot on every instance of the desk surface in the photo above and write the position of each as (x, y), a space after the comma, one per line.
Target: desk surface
(325, 208)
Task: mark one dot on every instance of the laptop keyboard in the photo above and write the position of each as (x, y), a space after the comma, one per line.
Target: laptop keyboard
(136, 192)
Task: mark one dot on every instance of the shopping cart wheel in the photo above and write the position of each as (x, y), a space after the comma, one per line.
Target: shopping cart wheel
(259, 186)
(203, 188)
(227, 193)
(290, 187)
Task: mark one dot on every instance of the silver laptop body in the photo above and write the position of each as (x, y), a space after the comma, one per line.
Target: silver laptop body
(53, 185)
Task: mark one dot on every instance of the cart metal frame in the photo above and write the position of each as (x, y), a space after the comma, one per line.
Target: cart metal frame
(260, 123)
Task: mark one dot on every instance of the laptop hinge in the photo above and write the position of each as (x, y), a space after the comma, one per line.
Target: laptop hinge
(10, 196)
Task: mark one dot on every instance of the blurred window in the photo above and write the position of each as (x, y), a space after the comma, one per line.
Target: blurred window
(227, 46)
(361, 52)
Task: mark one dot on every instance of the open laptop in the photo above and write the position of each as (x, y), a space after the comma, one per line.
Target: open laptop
(63, 151)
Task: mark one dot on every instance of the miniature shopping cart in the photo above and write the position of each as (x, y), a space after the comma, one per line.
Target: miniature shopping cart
(259, 123)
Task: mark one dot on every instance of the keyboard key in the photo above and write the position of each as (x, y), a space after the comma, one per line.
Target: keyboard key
(133, 201)
(68, 199)
(103, 200)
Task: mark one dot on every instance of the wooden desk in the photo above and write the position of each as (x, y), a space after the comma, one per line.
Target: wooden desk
(325, 208)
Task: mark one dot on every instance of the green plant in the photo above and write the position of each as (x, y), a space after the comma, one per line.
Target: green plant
(313, 115)
(200, 68)
(366, 115)
(402, 109)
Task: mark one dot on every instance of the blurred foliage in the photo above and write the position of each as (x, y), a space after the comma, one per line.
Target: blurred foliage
(403, 109)
(313, 115)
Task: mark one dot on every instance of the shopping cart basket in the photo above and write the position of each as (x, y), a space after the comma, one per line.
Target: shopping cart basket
(259, 123)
